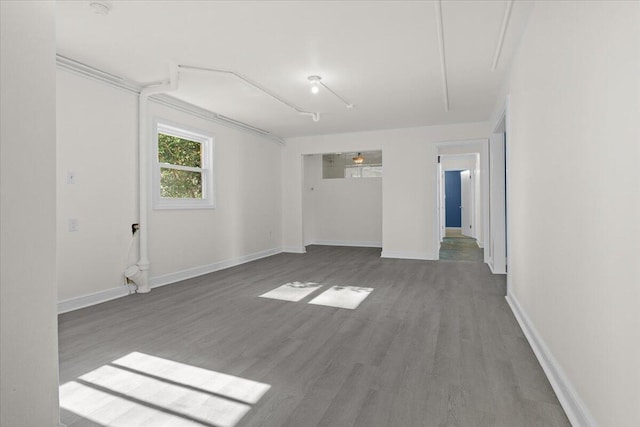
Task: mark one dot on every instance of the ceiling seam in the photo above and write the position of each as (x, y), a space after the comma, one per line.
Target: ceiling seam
(443, 62)
(503, 30)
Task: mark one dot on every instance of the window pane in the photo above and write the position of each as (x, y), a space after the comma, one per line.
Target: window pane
(352, 172)
(178, 151)
(180, 184)
(372, 171)
(356, 164)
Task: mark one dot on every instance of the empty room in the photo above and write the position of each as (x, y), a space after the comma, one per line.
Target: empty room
(320, 213)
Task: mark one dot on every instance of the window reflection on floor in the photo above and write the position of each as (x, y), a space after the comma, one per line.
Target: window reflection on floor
(140, 389)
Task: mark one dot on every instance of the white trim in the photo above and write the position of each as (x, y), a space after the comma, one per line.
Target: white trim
(118, 82)
(467, 156)
(426, 256)
(459, 142)
(193, 110)
(490, 264)
(167, 279)
(96, 74)
(354, 243)
(207, 170)
(573, 406)
(110, 294)
(503, 126)
(294, 249)
(83, 301)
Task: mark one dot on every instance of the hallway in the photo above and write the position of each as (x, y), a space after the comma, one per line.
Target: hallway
(456, 247)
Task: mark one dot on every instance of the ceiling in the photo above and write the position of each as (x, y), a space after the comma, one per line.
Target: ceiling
(382, 56)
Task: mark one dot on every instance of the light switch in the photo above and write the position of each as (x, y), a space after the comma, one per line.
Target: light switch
(71, 177)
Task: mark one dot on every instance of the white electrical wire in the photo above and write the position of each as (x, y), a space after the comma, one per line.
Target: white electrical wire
(126, 262)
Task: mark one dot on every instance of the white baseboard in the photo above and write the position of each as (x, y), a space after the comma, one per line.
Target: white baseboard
(91, 299)
(109, 294)
(167, 279)
(573, 406)
(294, 249)
(408, 255)
(493, 271)
(358, 244)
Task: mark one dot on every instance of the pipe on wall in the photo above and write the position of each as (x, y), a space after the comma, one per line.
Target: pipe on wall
(141, 276)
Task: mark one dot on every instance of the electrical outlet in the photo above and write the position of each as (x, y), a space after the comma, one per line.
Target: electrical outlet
(73, 224)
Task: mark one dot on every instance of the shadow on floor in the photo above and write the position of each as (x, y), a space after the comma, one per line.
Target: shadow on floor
(456, 247)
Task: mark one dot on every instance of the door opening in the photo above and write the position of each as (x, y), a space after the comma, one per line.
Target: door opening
(498, 203)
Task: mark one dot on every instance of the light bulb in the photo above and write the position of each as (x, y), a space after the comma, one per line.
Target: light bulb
(315, 83)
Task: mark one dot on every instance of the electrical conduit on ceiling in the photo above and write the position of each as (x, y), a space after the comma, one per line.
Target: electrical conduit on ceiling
(314, 115)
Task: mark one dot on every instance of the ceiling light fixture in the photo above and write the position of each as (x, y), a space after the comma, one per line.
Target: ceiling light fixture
(100, 8)
(359, 159)
(316, 82)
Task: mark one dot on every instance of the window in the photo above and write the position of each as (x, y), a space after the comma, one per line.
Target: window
(360, 164)
(364, 171)
(183, 168)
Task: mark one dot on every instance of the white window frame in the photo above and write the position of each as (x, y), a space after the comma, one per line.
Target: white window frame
(360, 169)
(207, 170)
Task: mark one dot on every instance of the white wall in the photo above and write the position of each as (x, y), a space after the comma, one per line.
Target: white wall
(574, 202)
(247, 218)
(341, 211)
(458, 163)
(97, 139)
(409, 183)
(28, 321)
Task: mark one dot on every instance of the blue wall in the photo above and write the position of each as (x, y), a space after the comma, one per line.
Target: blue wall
(453, 201)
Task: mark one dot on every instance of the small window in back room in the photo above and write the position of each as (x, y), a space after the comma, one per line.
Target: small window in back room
(183, 169)
(357, 164)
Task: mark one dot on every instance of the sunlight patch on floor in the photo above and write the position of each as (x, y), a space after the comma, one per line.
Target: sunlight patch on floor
(292, 291)
(203, 379)
(139, 389)
(109, 410)
(342, 297)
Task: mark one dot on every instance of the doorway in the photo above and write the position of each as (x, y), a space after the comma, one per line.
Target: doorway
(498, 223)
(460, 201)
(453, 199)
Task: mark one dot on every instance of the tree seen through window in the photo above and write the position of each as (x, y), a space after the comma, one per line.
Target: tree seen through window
(180, 167)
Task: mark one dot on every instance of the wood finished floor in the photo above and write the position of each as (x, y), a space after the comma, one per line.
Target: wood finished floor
(435, 343)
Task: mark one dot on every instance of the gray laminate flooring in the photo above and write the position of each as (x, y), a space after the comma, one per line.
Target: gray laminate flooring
(434, 344)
